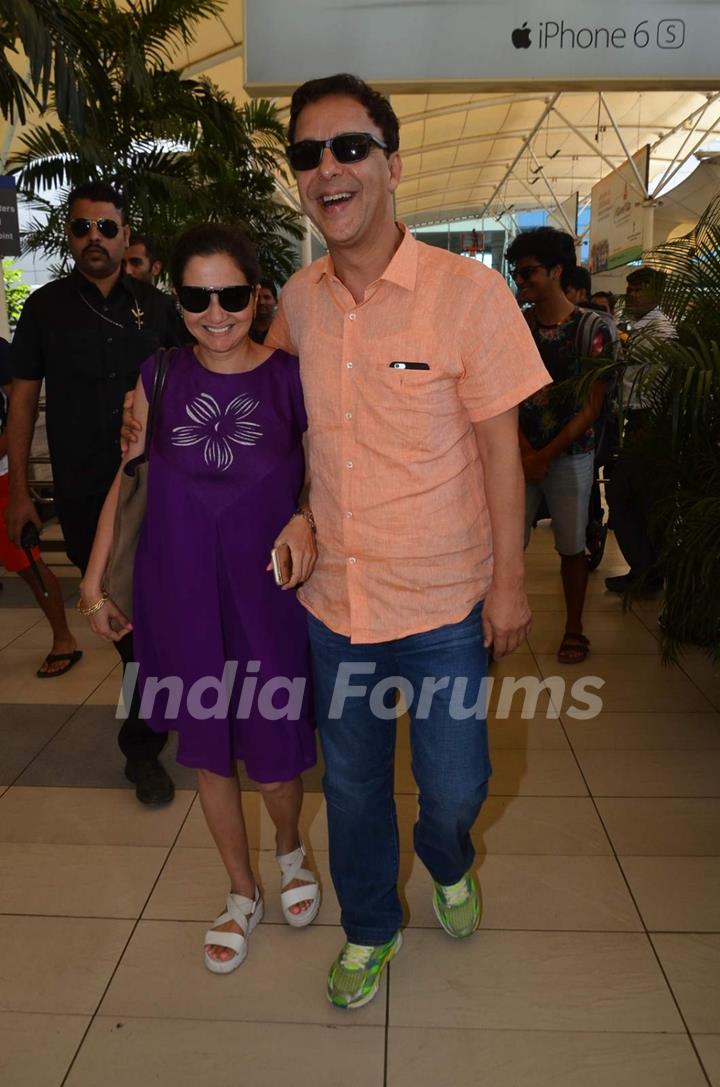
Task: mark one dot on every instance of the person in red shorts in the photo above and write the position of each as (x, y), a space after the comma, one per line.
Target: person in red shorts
(64, 653)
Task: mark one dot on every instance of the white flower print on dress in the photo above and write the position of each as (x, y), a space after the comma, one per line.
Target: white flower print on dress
(217, 428)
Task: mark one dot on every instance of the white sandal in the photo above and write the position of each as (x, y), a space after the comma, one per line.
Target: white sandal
(245, 912)
(291, 866)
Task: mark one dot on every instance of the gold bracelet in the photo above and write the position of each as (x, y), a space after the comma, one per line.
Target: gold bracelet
(307, 515)
(92, 608)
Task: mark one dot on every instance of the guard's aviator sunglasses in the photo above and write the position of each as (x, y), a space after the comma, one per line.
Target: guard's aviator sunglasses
(346, 148)
(80, 228)
(231, 299)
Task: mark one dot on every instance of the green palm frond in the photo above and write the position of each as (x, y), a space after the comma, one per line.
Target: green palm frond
(62, 42)
(164, 26)
(180, 149)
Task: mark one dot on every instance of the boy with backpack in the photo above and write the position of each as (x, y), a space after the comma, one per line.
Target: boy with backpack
(557, 435)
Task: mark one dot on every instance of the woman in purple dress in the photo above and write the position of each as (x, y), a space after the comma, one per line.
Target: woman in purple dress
(223, 651)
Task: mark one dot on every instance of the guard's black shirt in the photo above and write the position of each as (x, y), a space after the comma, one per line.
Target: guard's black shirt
(89, 349)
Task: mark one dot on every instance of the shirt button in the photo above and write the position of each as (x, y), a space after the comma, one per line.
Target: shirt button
(109, 339)
(352, 316)
(352, 560)
(349, 464)
(349, 365)
(112, 375)
(348, 415)
(115, 411)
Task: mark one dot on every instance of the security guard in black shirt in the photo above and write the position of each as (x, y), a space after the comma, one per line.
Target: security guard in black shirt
(87, 335)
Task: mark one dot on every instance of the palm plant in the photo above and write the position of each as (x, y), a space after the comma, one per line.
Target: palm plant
(59, 40)
(179, 148)
(680, 381)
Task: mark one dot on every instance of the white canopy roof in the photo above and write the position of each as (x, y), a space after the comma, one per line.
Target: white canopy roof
(469, 154)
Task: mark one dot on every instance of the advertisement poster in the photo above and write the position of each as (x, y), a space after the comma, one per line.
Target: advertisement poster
(438, 45)
(617, 216)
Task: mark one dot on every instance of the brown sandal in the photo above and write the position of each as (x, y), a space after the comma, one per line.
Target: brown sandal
(574, 648)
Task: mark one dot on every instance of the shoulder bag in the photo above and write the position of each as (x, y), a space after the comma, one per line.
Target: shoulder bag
(132, 502)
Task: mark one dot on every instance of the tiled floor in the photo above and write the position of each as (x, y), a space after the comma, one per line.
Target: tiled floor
(598, 852)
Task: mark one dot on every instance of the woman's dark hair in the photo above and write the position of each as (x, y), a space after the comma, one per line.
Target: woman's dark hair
(549, 246)
(348, 86)
(211, 238)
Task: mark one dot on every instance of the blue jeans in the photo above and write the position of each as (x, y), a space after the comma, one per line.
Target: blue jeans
(450, 761)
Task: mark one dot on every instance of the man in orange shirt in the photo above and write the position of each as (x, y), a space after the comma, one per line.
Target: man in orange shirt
(413, 362)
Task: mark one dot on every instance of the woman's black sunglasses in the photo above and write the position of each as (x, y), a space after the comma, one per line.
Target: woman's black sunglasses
(231, 299)
(80, 228)
(346, 148)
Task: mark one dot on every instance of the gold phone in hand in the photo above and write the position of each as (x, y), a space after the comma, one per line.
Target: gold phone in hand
(281, 560)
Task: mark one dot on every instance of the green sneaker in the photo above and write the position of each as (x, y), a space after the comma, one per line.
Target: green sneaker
(458, 907)
(354, 977)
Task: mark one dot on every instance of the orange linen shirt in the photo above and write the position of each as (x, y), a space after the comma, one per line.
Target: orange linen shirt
(396, 481)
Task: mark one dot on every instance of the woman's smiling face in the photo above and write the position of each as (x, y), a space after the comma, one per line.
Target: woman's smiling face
(216, 329)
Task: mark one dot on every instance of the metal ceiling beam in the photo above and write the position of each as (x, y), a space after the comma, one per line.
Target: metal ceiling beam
(528, 189)
(641, 180)
(608, 162)
(572, 229)
(489, 163)
(447, 111)
(477, 214)
(445, 190)
(679, 126)
(673, 168)
(466, 188)
(549, 104)
(469, 107)
(520, 134)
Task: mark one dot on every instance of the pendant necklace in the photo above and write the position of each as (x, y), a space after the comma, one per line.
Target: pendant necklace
(136, 312)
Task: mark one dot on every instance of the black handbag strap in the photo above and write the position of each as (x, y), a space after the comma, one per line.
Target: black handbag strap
(162, 361)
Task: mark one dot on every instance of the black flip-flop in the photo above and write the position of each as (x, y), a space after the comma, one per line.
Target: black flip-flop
(574, 648)
(53, 658)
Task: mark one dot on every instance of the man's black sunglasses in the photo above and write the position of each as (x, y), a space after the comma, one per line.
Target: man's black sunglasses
(80, 228)
(231, 299)
(346, 148)
(520, 275)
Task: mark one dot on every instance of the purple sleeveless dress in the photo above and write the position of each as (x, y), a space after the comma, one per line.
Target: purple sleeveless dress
(226, 467)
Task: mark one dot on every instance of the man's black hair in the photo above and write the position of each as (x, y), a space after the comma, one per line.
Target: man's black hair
(648, 277)
(579, 278)
(549, 246)
(608, 296)
(151, 248)
(100, 193)
(344, 85)
(269, 286)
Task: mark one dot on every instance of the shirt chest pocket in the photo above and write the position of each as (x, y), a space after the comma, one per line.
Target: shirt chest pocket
(405, 408)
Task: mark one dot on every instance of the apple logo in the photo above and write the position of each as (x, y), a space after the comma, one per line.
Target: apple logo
(521, 37)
